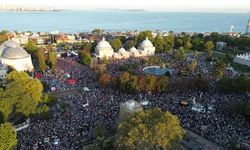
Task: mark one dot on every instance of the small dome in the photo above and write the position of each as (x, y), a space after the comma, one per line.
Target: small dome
(15, 53)
(146, 43)
(121, 50)
(11, 43)
(133, 49)
(103, 44)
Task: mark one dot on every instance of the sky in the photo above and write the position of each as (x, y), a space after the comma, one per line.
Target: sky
(152, 5)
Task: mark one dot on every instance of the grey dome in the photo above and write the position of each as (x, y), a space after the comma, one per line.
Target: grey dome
(2, 48)
(10, 43)
(15, 53)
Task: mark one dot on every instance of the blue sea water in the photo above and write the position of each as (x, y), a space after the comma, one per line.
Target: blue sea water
(77, 21)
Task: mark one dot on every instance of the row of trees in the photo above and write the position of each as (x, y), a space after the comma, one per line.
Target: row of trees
(44, 60)
(132, 83)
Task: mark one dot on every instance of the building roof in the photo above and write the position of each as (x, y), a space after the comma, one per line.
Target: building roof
(10, 43)
(146, 43)
(103, 44)
(14, 53)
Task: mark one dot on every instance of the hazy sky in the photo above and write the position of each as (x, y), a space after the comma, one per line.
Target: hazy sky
(154, 5)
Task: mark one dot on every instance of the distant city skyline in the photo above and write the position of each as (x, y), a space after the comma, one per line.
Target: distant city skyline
(240, 6)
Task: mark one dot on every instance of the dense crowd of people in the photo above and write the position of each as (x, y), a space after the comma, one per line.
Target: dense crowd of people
(70, 128)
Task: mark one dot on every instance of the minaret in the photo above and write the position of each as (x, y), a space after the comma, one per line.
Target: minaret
(248, 27)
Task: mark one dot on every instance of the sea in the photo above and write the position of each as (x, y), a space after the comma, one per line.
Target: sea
(71, 21)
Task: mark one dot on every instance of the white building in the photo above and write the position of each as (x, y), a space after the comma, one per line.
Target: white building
(146, 47)
(103, 49)
(3, 71)
(11, 54)
(220, 45)
(243, 59)
(21, 39)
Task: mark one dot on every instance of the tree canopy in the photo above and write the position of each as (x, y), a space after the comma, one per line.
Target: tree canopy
(7, 137)
(116, 44)
(150, 129)
(21, 93)
(31, 47)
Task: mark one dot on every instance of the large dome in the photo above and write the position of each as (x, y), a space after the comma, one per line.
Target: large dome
(10, 43)
(15, 53)
(146, 44)
(103, 44)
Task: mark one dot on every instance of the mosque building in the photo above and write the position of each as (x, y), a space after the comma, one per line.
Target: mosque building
(103, 48)
(13, 55)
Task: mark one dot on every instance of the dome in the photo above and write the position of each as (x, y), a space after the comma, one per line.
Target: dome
(15, 53)
(133, 49)
(146, 43)
(2, 48)
(121, 50)
(103, 44)
(10, 43)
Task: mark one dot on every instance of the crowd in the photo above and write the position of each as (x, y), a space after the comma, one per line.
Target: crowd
(69, 129)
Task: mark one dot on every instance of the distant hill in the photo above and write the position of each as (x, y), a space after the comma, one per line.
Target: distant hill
(9, 7)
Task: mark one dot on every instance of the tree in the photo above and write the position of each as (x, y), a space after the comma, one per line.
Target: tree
(145, 34)
(150, 129)
(150, 83)
(192, 66)
(208, 48)
(21, 93)
(52, 59)
(159, 43)
(180, 53)
(105, 79)
(97, 31)
(198, 44)
(162, 84)
(219, 69)
(31, 47)
(85, 57)
(7, 137)
(168, 42)
(129, 44)
(41, 59)
(116, 44)
(187, 42)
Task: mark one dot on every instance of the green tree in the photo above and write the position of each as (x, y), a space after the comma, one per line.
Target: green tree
(168, 42)
(180, 53)
(97, 31)
(198, 44)
(208, 48)
(85, 57)
(162, 84)
(116, 44)
(41, 59)
(150, 129)
(192, 66)
(52, 60)
(219, 69)
(159, 43)
(145, 34)
(129, 44)
(21, 92)
(31, 47)
(187, 42)
(7, 137)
